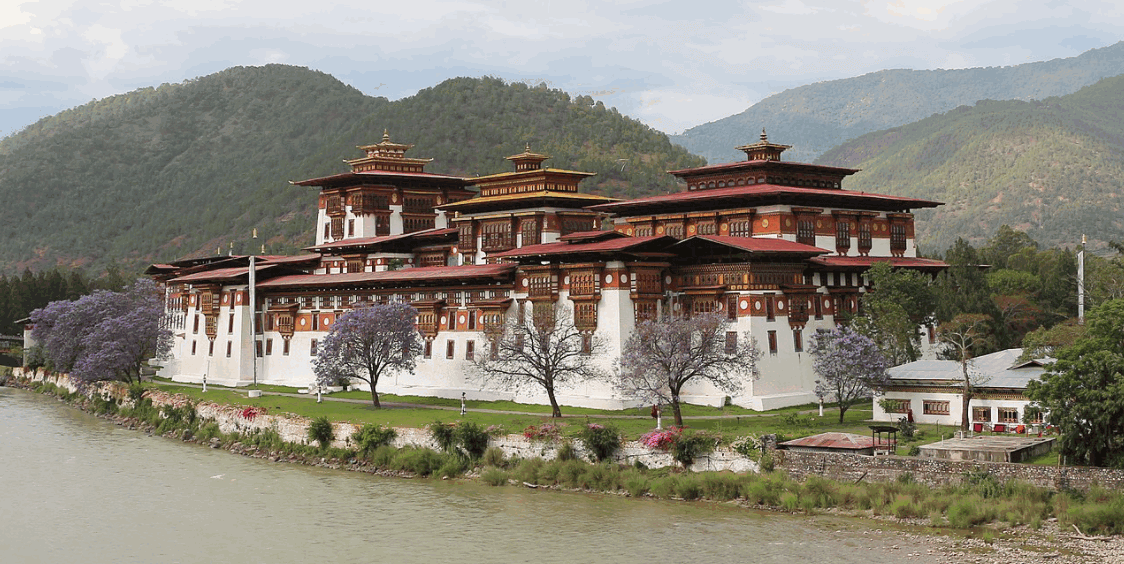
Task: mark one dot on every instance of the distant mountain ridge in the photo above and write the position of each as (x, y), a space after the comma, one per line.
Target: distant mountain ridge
(186, 169)
(817, 117)
(1052, 168)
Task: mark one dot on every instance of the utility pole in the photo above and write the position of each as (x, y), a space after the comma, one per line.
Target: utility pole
(254, 310)
(1081, 282)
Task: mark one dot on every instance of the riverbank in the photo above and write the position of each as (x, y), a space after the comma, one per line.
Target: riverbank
(1044, 541)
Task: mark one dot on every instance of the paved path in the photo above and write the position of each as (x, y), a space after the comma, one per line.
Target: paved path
(389, 404)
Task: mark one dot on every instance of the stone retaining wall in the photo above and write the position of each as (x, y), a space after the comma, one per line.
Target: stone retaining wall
(936, 472)
(294, 429)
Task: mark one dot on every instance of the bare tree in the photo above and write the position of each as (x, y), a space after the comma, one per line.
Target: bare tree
(664, 355)
(546, 351)
(963, 335)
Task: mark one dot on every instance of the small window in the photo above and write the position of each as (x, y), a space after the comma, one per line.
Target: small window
(315, 322)
(981, 414)
(896, 405)
(731, 342)
(797, 340)
(230, 325)
(312, 348)
(471, 320)
(470, 350)
(351, 228)
(269, 346)
(934, 407)
(770, 314)
(428, 351)
(257, 347)
(772, 342)
(450, 349)
(587, 343)
(192, 348)
(285, 347)
(196, 328)
(228, 347)
(211, 348)
(1008, 415)
(327, 231)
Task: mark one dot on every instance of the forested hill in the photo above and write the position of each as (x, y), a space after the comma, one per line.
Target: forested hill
(1052, 168)
(162, 173)
(817, 117)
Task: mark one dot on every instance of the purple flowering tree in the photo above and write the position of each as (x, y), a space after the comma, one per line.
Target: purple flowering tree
(104, 335)
(545, 351)
(367, 343)
(664, 355)
(850, 366)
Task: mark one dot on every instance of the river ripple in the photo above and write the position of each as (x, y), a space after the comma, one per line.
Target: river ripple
(80, 489)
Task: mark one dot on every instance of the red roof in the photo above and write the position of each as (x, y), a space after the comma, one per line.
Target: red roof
(373, 175)
(289, 259)
(841, 441)
(758, 164)
(867, 262)
(222, 274)
(422, 274)
(760, 244)
(345, 243)
(562, 247)
(764, 192)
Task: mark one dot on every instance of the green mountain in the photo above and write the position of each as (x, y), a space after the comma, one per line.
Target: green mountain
(181, 170)
(817, 117)
(1052, 168)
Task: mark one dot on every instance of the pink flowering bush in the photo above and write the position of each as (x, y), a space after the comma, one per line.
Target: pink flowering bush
(250, 413)
(662, 439)
(544, 432)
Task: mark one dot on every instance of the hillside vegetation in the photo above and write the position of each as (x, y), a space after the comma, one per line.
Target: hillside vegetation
(180, 170)
(817, 117)
(1052, 168)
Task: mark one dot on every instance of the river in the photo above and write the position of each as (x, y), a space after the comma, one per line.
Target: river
(77, 488)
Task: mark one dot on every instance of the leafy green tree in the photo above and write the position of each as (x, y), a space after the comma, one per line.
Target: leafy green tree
(899, 302)
(1083, 392)
(1005, 243)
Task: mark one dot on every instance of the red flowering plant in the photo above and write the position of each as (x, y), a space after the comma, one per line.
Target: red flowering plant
(544, 432)
(661, 439)
(250, 413)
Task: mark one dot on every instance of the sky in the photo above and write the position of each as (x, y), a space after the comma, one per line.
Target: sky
(670, 64)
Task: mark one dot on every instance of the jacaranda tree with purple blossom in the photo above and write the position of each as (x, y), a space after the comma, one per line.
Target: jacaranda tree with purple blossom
(368, 343)
(849, 364)
(664, 355)
(104, 335)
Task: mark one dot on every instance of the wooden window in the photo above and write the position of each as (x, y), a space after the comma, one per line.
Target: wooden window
(337, 228)
(470, 350)
(772, 342)
(934, 407)
(269, 346)
(467, 240)
(741, 228)
(576, 224)
(817, 305)
(229, 345)
(707, 228)
(770, 312)
(285, 347)
(797, 340)
(896, 405)
(645, 311)
(806, 231)
(327, 231)
(897, 238)
(195, 329)
(587, 343)
(427, 352)
(257, 348)
(497, 236)
(211, 348)
(192, 348)
(732, 308)
(842, 235)
(351, 228)
(1034, 416)
(585, 315)
(583, 283)
(230, 325)
(1008, 415)
(530, 232)
(541, 286)
(472, 319)
(312, 348)
(865, 239)
(731, 342)
(981, 414)
(450, 349)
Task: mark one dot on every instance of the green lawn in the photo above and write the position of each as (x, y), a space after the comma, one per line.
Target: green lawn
(788, 423)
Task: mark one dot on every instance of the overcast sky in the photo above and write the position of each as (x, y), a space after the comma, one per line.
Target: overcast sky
(671, 64)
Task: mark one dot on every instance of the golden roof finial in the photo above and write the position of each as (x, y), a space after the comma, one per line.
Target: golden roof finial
(386, 135)
(527, 147)
(764, 137)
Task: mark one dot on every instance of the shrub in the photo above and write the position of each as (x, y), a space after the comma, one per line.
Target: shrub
(320, 430)
(528, 470)
(819, 492)
(914, 450)
(906, 428)
(661, 439)
(635, 483)
(494, 477)
(472, 438)
(420, 461)
(209, 431)
(373, 436)
(444, 435)
(687, 448)
(688, 488)
(136, 392)
(494, 457)
(904, 507)
(452, 466)
(545, 432)
(664, 487)
(603, 441)
(383, 457)
(963, 513)
(790, 501)
(720, 486)
(566, 452)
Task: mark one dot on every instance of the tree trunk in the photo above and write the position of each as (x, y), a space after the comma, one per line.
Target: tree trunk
(375, 397)
(676, 411)
(842, 409)
(555, 411)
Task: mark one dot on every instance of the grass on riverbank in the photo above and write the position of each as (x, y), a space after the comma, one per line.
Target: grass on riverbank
(980, 500)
